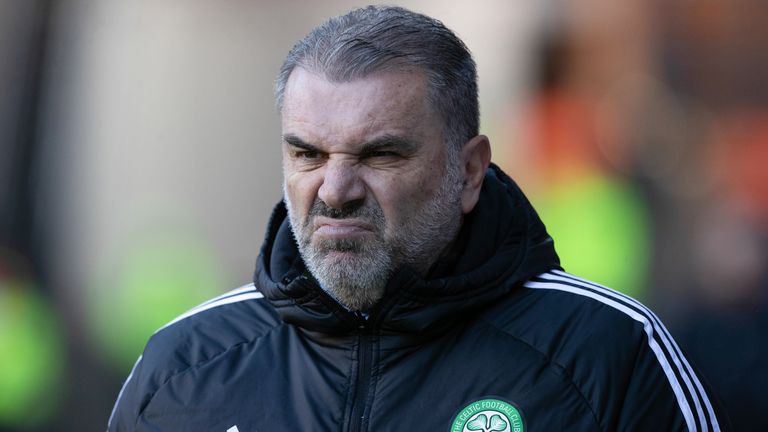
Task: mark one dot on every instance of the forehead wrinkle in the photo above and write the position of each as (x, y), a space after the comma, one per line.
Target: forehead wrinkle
(324, 112)
(403, 127)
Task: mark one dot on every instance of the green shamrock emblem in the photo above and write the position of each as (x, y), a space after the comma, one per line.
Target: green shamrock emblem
(481, 423)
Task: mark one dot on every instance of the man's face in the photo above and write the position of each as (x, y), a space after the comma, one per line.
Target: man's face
(368, 180)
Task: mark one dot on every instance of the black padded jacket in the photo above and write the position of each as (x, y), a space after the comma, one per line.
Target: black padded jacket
(499, 339)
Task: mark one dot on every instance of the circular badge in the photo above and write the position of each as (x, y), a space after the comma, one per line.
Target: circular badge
(488, 415)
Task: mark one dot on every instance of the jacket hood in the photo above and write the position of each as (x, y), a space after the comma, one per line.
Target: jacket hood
(506, 244)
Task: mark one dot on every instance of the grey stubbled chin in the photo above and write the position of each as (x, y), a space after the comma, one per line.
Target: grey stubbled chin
(355, 271)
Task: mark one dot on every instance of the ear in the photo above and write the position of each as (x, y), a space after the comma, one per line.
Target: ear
(475, 157)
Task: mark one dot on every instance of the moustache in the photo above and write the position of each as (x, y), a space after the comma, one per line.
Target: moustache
(353, 209)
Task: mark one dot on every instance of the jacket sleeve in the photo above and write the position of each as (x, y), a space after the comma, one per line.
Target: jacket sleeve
(664, 392)
(128, 404)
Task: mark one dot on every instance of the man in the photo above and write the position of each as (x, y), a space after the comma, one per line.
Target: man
(405, 283)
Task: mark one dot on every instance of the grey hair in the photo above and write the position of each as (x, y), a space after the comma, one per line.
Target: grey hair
(384, 38)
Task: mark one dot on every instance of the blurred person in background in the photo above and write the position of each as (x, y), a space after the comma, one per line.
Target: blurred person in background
(656, 113)
(405, 282)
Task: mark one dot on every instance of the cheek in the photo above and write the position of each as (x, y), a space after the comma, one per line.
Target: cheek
(300, 190)
(402, 197)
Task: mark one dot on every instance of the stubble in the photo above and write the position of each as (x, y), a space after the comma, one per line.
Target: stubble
(355, 271)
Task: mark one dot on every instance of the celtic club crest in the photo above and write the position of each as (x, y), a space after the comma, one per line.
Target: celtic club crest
(488, 415)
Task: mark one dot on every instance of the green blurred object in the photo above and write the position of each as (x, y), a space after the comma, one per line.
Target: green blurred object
(155, 281)
(601, 231)
(31, 356)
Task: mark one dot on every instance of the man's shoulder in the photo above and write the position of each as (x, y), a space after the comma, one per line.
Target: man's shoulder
(193, 340)
(568, 319)
(611, 346)
(209, 329)
(604, 343)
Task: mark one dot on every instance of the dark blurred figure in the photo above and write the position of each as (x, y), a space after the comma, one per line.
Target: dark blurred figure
(30, 346)
(724, 328)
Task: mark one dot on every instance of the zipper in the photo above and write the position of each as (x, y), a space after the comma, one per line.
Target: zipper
(365, 359)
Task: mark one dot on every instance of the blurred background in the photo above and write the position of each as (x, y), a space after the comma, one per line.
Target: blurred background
(139, 161)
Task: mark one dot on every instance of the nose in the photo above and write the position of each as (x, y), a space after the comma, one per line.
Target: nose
(341, 184)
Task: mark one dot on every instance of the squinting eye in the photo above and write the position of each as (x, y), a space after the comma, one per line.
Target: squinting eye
(307, 154)
(383, 153)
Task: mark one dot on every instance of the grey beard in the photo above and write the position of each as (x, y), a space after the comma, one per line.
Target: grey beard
(356, 282)
(358, 279)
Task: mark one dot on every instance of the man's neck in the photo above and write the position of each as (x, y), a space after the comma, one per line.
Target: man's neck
(446, 262)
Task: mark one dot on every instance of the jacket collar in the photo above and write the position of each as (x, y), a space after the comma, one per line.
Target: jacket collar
(506, 244)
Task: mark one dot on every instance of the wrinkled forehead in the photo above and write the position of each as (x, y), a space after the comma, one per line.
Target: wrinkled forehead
(383, 102)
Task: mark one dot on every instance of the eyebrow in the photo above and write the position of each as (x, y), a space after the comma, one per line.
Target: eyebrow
(295, 141)
(389, 141)
(384, 142)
